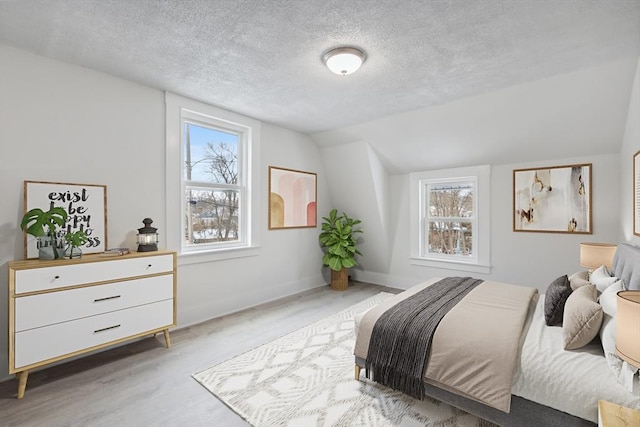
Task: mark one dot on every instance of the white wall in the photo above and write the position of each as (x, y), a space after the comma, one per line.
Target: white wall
(536, 259)
(60, 122)
(630, 145)
(530, 259)
(358, 184)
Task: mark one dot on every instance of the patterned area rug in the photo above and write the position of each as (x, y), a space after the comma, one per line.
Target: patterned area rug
(306, 379)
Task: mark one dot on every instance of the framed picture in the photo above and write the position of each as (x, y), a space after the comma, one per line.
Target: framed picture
(555, 199)
(86, 205)
(292, 198)
(636, 193)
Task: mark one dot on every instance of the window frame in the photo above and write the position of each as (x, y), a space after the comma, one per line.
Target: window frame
(180, 110)
(197, 119)
(426, 218)
(419, 181)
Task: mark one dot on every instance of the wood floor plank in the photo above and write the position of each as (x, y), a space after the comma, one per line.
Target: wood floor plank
(145, 384)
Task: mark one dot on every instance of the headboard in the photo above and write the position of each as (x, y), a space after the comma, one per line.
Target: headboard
(626, 265)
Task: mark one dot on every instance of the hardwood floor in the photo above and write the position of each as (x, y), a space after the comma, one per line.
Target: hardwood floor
(145, 384)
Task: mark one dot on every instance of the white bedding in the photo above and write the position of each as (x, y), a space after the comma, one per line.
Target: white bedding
(570, 381)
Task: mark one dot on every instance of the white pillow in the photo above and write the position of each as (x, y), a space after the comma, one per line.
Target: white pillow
(622, 371)
(601, 278)
(608, 298)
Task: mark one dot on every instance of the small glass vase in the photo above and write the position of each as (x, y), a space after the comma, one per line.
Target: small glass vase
(72, 252)
(46, 252)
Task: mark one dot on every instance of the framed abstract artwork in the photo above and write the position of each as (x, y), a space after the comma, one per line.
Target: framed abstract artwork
(636, 193)
(85, 204)
(292, 198)
(555, 199)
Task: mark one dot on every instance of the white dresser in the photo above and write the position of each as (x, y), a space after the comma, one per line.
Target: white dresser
(63, 308)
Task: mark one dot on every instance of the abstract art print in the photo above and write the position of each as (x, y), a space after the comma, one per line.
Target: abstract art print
(292, 198)
(555, 199)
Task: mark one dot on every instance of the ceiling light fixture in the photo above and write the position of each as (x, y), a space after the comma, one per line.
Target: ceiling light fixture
(344, 60)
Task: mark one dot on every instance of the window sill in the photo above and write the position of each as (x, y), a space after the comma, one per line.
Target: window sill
(197, 257)
(451, 265)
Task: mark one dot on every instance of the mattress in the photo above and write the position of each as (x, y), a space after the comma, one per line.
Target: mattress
(570, 381)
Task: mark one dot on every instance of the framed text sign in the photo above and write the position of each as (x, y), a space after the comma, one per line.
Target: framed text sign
(636, 193)
(86, 205)
(554, 199)
(292, 198)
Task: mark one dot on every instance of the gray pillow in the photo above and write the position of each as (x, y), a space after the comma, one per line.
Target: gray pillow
(554, 300)
(582, 318)
(578, 279)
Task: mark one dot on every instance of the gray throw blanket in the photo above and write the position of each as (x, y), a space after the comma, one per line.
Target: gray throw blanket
(401, 337)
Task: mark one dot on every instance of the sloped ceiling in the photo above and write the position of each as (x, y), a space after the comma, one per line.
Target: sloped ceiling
(574, 114)
(263, 58)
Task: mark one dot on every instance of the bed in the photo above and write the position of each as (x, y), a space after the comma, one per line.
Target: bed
(550, 386)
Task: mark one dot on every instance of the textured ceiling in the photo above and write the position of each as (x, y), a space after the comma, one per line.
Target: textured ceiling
(263, 58)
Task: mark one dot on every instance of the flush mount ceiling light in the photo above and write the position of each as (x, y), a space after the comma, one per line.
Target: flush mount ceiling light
(344, 60)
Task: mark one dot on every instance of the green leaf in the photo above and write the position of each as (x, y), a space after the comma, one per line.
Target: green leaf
(34, 221)
(76, 238)
(338, 241)
(349, 262)
(335, 263)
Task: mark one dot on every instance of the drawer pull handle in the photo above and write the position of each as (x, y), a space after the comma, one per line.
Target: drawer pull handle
(149, 266)
(106, 298)
(106, 329)
(56, 277)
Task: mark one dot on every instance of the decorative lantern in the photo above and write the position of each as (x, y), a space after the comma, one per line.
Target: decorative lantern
(147, 237)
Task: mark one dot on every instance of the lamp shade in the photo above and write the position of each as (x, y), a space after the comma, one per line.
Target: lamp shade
(344, 60)
(593, 255)
(628, 327)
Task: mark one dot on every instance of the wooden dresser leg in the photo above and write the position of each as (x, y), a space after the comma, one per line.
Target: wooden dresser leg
(357, 372)
(167, 340)
(22, 382)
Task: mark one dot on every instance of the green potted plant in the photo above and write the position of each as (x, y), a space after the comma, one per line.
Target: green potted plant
(338, 238)
(42, 225)
(74, 240)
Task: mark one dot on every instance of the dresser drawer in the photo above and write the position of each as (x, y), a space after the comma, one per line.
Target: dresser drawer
(41, 344)
(59, 276)
(34, 311)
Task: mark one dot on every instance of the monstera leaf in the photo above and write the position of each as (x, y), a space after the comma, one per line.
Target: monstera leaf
(35, 221)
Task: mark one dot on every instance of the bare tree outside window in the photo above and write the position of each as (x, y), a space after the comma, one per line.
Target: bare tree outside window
(450, 216)
(212, 188)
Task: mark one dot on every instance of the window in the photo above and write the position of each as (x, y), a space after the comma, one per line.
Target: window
(448, 214)
(211, 180)
(450, 219)
(214, 185)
